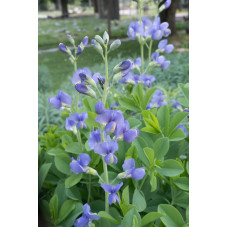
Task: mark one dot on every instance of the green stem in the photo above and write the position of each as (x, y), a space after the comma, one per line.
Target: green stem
(141, 185)
(142, 57)
(106, 79)
(77, 94)
(165, 179)
(149, 51)
(106, 182)
(114, 179)
(79, 139)
(89, 188)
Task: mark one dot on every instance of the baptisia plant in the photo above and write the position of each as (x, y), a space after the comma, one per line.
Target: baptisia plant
(110, 124)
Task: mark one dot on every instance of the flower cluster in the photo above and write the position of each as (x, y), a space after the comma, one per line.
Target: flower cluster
(60, 101)
(157, 100)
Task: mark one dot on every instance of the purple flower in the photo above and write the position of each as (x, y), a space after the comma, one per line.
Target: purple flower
(112, 189)
(95, 138)
(76, 76)
(186, 110)
(107, 149)
(80, 104)
(77, 120)
(138, 62)
(80, 165)
(147, 80)
(129, 79)
(167, 3)
(176, 104)
(83, 89)
(110, 118)
(131, 171)
(163, 47)
(99, 107)
(157, 100)
(160, 61)
(126, 134)
(124, 67)
(86, 217)
(60, 100)
(180, 126)
(63, 48)
(82, 45)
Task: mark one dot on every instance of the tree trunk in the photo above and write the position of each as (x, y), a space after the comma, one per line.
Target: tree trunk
(103, 9)
(168, 15)
(64, 8)
(95, 4)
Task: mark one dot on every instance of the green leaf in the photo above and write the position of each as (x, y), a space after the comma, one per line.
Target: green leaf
(149, 152)
(139, 201)
(132, 152)
(153, 182)
(177, 135)
(107, 216)
(67, 207)
(185, 89)
(55, 151)
(90, 121)
(133, 122)
(176, 120)
(140, 143)
(172, 216)
(43, 171)
(66, 140)
(72, 180)
(181, 199)
(128, 220)
(53, 206)
(182, 183)
(148, 96)
(163, 119)
(161, 147)
(150, 130)
(150, 217)
(187, 167)
(134, 221)
(74, 148)
(170, 168)
(73, 193)
(187, 214)
(62, 163)
(125, 195)
(128, 104)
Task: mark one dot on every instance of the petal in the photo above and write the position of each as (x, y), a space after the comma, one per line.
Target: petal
(76, 78)
(113, 198)
(162, 44)
(110, 127)
(169, 48)
(117, 187)
(81, 222)
(138, 62)
(81, 88)
(55, 102)
(96, 76)
(138, 174)
(128, 164)
(86, 209)
(83, 116)
(107, 188)
(93, 217)
(99, 107)
(130, 135)
(157, 35)
(65, 98)
(101, 148)
(75, 117)
(84, 159)
(69, 123)
(164, 25)
(76, 167)
(165, 64)
(85, 41)
(95, 138)
(103, 118)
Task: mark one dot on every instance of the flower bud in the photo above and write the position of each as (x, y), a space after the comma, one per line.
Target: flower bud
(87, 79)
(99, 39)
(64, 48)
(117, 76)
(166, 5)
(115, 45)
(121, 175)
(123, 66)
(106, 38)
(99, 108)
(83, 89)
(97, 46)
(91, 171)
(71, 40)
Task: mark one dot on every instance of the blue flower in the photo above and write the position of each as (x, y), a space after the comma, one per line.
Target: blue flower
(123, 67)
(76, 76)
(157, 100)
(80, 104)
(80, 165)
(63, 48)
(126, 134)
(95, 138)
(112, 189)
(164, 48)
(160, 61)
(176, 105)
(180, 126)
(129, 79)
(110, 118)
(186, 110)
(131, 171)
(76, 120)
(86, 217)
(138, 62)
(107, 149)
(60, 100)
(99, 107)
(82, 45)
(86, 90)
(147, 80)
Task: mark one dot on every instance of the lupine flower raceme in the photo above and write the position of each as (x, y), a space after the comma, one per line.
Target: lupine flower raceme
(86, 218)
(157, 100)
(131, 171)
(94, 139)
(164, 47)
(112, 189)
(60, 101)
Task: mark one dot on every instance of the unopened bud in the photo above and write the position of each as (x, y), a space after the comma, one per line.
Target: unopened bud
(106, 38)
(91, 171)
(115, 45)
(99, 39)
(97, 46)
(71, 40)
(83, 89)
